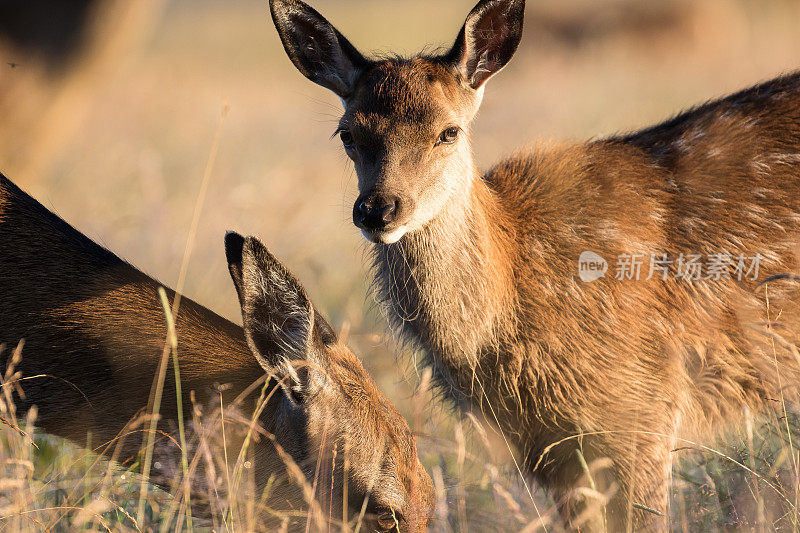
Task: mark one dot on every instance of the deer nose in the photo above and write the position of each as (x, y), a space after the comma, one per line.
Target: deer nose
(376, 211)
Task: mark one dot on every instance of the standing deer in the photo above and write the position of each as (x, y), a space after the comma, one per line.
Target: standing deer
(483, 271)
(94, 332)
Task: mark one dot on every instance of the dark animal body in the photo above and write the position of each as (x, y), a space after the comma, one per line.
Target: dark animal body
(482, 271)
(93, 332)
(92, 320)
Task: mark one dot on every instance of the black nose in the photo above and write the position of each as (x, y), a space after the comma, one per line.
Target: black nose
(376, 211)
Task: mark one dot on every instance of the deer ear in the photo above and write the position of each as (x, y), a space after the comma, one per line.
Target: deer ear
(490, 36)
(316, 48)
(277, 315)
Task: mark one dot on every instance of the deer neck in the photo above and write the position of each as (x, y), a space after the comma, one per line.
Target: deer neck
(449, 286)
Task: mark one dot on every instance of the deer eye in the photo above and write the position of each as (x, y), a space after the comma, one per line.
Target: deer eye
(448, 136)
(388, 521)
(347, 138)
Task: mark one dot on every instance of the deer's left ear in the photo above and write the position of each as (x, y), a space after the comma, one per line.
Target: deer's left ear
(277, 315)
(488, 40)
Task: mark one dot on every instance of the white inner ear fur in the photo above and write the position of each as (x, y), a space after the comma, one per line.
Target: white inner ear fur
(294, 329)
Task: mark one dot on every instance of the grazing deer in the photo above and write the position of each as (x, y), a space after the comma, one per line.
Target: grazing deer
(499, 277)
(94, 332)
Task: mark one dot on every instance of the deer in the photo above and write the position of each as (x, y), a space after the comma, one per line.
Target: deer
(500, 278)
(94, 332)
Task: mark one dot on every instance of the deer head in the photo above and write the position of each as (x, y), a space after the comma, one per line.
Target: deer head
(406, 121)
(330, 406)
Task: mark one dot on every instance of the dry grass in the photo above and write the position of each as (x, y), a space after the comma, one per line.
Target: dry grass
(124, 158)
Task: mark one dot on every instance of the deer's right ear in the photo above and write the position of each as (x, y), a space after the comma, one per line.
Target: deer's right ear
(277, 315)
(316, 48)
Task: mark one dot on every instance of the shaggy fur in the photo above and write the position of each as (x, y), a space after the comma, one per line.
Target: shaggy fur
(490, 290)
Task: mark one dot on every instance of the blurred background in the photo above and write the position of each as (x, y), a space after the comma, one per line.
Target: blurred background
(109, 108)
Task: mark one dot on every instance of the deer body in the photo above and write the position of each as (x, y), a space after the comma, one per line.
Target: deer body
(481, 271)
(93, 333)
(489, 290)
(94, 321)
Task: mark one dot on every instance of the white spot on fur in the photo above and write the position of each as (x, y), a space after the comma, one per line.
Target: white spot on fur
(760, 167)
(608, 229)
(693, 223)
(785, 159)
(750, 123)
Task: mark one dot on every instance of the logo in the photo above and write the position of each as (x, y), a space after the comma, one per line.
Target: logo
(591, 266)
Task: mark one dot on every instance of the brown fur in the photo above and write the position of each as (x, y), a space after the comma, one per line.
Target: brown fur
(490, 290)
(93, 325)
(480, 272)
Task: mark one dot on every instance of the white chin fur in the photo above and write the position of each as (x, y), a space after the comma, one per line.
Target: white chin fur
(386, 237)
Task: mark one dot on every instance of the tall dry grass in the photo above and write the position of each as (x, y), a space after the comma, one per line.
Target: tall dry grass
(125, 159)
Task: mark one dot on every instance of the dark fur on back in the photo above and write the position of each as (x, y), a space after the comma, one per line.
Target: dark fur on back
(68, 298)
